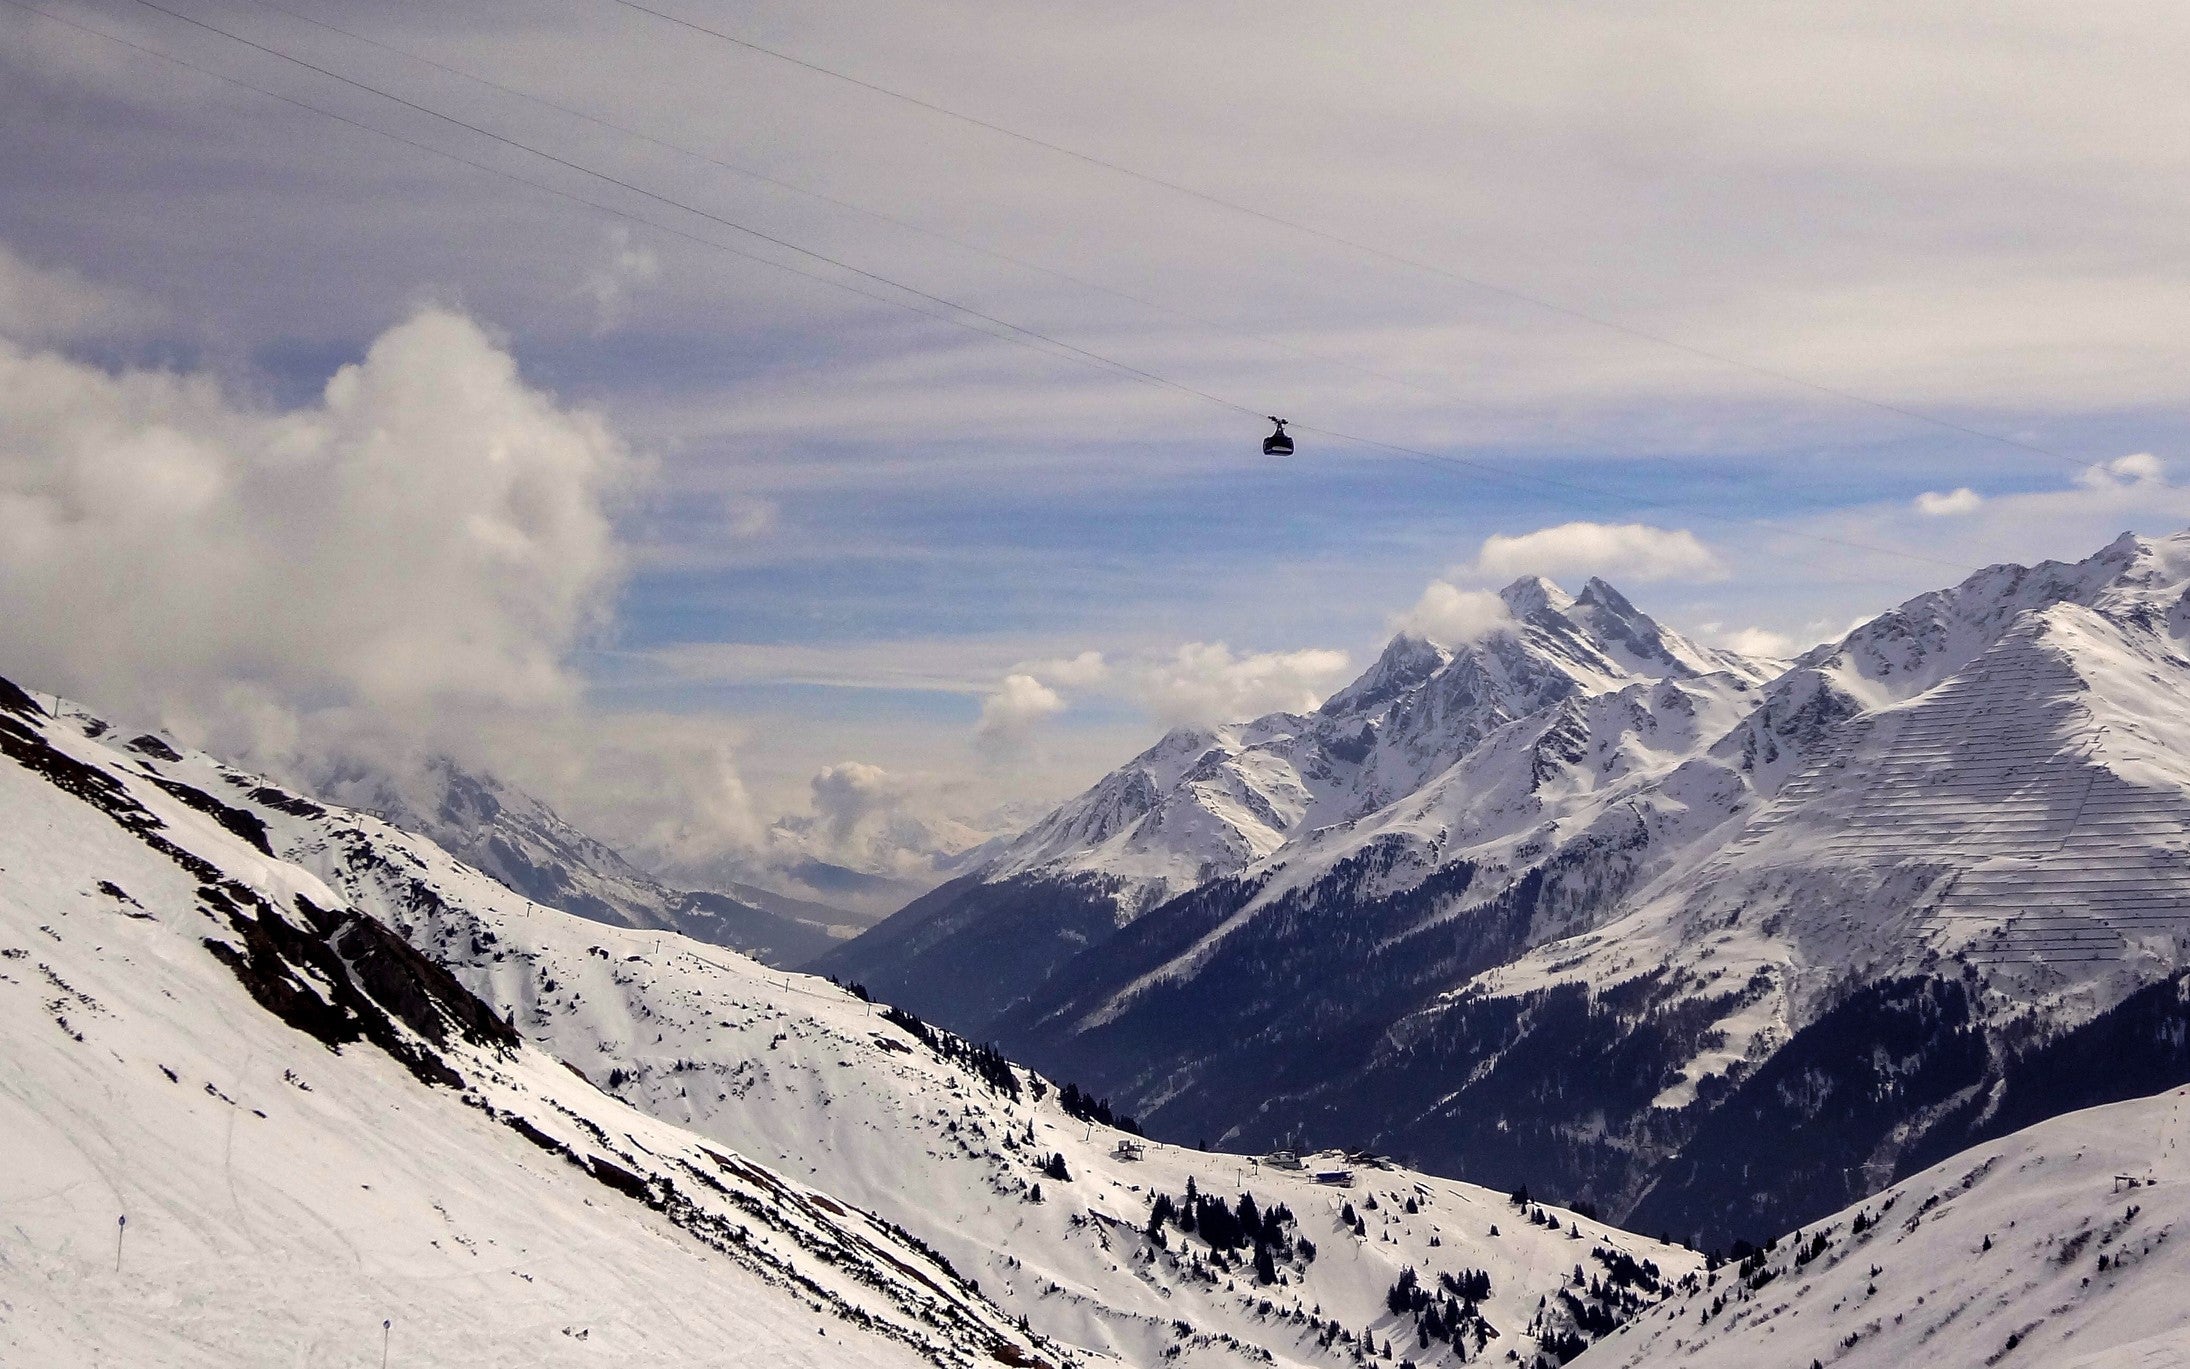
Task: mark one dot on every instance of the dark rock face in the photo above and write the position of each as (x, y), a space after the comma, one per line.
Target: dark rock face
(338, 977)
(968, 950)
(1819, 1123)
(241, 821)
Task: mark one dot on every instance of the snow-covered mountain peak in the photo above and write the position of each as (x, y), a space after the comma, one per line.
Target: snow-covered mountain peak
(1533, 594)
(2150, 561)
(1407, 660)
(1918, 644)
(1242, 799)
(1207, 801)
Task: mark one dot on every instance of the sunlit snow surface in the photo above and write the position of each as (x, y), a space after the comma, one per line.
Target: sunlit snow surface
(2009, 784)
(2063, 1245)
(284, 1199)
(289, 1237)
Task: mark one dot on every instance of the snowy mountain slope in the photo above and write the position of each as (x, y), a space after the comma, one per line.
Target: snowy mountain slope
(801, 1072)
(1213, 804)
(309, 1128)
(1631, 938)
(518, 839)
(2067, 1244)
(2009, 824)
(948, 1141)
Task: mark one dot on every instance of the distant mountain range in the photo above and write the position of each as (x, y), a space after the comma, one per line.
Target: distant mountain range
(282, 1080)
(509, 834)
(1717, 944)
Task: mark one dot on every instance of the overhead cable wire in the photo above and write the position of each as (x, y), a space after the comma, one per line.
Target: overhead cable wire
(556, 191)
(1173, 311)
(733, 225)
(881, 216)
(1510, 292)
(1015, 333)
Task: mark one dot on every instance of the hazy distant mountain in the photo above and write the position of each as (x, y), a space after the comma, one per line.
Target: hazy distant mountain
(862, 871)
(519, 840)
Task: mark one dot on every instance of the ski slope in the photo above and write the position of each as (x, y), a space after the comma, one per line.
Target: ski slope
(848, 1111)
(310, 1131)
(2065, 1245)
(803, 1075)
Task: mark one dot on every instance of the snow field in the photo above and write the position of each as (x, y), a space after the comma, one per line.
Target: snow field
(283, 1199)
(2062, 1245)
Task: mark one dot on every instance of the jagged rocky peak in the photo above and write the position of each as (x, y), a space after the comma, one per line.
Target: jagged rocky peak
(1614, 617)
(1601, 638)
(2148, 561)
(1533, 595)
(1924, 640)
(1407, 660)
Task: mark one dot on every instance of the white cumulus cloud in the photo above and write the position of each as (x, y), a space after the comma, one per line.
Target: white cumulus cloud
(432, 531)
(851, 792)
(1010, 713)
(1935, 505)
(1750, 641)
(1617, 551)
(1451, 616)
(2138, 468)
(1204, 682)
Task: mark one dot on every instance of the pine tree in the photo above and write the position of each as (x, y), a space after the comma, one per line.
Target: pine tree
(1161, 1212)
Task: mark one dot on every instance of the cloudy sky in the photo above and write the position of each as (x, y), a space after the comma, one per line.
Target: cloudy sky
(696, 435)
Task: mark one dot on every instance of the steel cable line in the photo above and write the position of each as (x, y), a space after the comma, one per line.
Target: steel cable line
(908, 225)
(1384, 254)
(1089, 357)
(1096, 357)
(1030, 340)
(1015, 333)
(1438, 392)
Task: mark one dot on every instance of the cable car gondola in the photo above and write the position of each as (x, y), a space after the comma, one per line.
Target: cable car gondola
(1277, 443)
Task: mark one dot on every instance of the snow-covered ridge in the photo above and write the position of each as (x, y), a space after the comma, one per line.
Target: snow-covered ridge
(808, 1106)
(1419, 737)
(247, 1124)
(2067, 1244)
(515, 837)
(1606, 932)
(1205, 802)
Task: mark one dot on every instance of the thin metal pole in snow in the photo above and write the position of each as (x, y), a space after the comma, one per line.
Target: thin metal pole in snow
(121, 1225)
(385, 1324)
